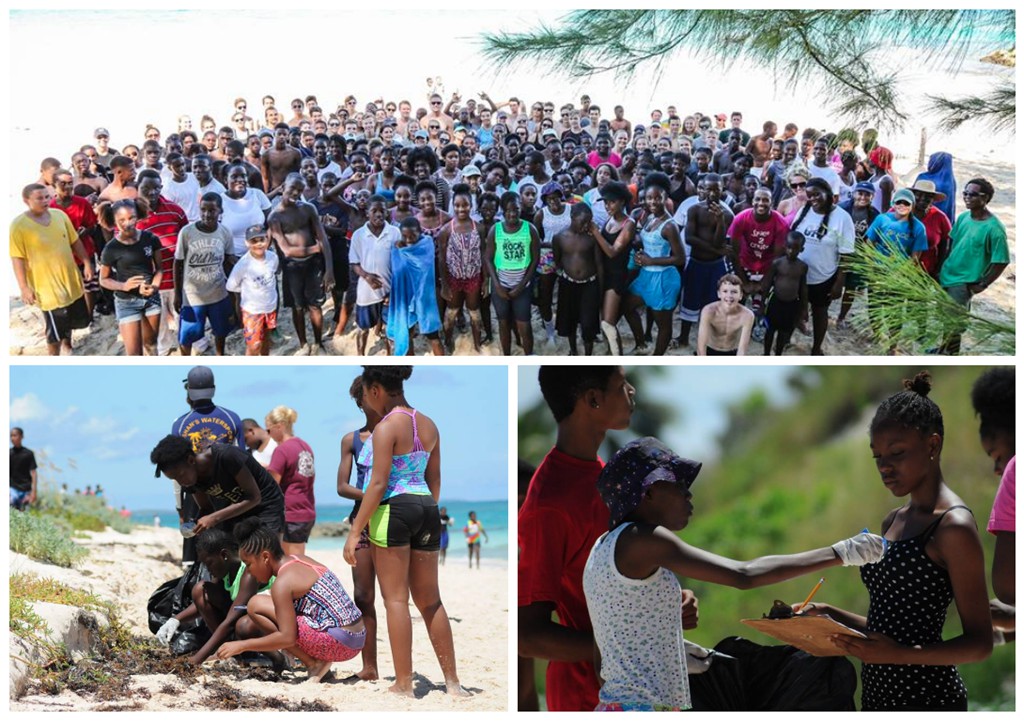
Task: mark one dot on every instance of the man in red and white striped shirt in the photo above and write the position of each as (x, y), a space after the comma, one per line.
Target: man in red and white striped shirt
(165, 220)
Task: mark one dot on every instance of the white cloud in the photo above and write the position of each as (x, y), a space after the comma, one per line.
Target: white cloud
(28, 408)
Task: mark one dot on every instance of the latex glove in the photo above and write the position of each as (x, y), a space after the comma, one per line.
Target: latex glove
(166, 632)
(698, 658)
(860, 550)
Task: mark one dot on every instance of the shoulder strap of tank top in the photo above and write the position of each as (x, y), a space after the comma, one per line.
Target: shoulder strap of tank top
(416, 445)
(295, 559)
(928, 532)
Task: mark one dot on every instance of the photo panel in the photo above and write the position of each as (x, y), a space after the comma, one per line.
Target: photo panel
(766, 538)
(240, 533)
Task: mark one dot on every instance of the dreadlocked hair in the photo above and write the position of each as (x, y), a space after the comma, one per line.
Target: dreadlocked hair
(911, 408)
(253, 538)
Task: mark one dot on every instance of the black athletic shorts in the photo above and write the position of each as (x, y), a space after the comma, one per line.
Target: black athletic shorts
(61, 321)
(820, 294)
(297, 531)
(304, 282)
(407, 520)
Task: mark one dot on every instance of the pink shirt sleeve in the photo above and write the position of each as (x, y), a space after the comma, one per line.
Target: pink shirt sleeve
(1003, 516)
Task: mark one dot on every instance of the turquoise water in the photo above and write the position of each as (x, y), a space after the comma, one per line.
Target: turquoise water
(492, 514)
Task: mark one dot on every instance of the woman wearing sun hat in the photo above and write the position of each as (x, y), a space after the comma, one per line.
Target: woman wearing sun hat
(936, 224)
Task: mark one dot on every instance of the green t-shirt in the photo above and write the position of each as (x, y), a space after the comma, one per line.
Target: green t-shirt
(231, 584)
(976, 246)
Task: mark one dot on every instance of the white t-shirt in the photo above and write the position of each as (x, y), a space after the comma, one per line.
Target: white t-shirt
(827, 174)
(822, 254)
(185, 194)
(242, 213)
(256, 280)
(264, 456)
(639, 631)
(373, 254)
(331, 167)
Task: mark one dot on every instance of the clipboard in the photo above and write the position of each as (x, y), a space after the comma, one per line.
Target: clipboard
(808, 633)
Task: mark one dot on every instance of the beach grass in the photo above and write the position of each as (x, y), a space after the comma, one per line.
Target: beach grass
(41, 538)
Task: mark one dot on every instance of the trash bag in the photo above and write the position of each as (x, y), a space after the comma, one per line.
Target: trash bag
(170, 599)
(773, 678)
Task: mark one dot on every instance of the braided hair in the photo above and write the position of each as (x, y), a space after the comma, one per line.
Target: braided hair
(254, 538)
(822, 185)
(911, 408)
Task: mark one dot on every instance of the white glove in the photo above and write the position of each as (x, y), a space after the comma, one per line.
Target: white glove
(698, 658)
(166, 632)
(860, 550)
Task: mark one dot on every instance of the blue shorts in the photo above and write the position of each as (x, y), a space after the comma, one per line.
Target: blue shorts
(192, 324)
(18, 499)
(131, 310)
(517, 309)
(368, 316)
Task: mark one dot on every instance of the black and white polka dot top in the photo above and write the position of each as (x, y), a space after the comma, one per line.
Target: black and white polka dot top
(909, 597)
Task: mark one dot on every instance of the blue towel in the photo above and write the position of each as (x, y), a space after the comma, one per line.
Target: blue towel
(413, 294)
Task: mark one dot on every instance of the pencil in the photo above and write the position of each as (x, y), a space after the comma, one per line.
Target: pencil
(811, 594)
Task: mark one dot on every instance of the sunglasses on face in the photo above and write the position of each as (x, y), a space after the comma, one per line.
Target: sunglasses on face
(797, 186)
(435, 102)
(434, 127)
(973, 195)
(240, 107)
(903, 202)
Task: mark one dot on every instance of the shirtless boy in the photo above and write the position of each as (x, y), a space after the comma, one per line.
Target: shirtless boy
(280, 160)
(786, 284)
(306, 261)
(707, 225)
(725, 325)
(580, 278)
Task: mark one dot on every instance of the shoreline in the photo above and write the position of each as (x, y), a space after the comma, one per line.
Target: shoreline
(128, 568)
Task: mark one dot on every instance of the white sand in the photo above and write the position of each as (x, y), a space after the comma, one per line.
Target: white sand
(129, 568)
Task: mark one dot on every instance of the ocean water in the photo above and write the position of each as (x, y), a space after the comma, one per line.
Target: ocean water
(492, 514)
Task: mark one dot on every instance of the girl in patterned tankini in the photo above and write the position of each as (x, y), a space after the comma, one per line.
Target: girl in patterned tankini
(308, 612)
(400, 507)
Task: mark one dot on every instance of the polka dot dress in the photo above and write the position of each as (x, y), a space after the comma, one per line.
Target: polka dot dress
(909, 597)
(639, 629)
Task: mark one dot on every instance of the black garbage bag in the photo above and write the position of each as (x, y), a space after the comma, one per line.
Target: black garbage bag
(170, 599)
(773, 678)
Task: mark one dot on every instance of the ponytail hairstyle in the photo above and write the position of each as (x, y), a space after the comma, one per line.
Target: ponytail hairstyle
(390, 378)
(254, 538)
(911, 408)
(105, 211)
(283, 415)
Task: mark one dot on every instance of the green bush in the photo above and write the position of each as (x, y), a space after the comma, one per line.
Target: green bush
(39, 538)
(83, 513)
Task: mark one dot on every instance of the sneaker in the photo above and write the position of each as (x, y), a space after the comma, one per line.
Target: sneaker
(303, 350)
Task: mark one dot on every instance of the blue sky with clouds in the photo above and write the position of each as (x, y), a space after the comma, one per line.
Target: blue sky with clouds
(97, 424)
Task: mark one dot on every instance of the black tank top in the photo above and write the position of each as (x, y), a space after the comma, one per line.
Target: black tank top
(909, 597)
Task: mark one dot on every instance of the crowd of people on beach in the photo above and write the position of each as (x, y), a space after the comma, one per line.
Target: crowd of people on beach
(435, 221)
(601, 557)
(247, 508)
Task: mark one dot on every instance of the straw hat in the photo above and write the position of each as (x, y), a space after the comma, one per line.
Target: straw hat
(927, 186)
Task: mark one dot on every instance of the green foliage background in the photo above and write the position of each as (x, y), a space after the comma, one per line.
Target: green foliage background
(802, 476)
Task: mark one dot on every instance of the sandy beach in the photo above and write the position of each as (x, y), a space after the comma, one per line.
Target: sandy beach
(129, 567)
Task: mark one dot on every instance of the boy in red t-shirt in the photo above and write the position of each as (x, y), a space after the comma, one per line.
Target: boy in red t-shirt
(561, 519)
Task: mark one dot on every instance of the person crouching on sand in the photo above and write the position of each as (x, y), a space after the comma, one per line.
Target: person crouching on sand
(308, 613)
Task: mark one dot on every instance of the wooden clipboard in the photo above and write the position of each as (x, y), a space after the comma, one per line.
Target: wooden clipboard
(808, 633)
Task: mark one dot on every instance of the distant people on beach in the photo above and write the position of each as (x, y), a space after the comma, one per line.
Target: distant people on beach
(313, 205)
(24, 472)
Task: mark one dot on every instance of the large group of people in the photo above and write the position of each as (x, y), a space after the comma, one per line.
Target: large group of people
(601, 558)
(441, 220)
(246, 504)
